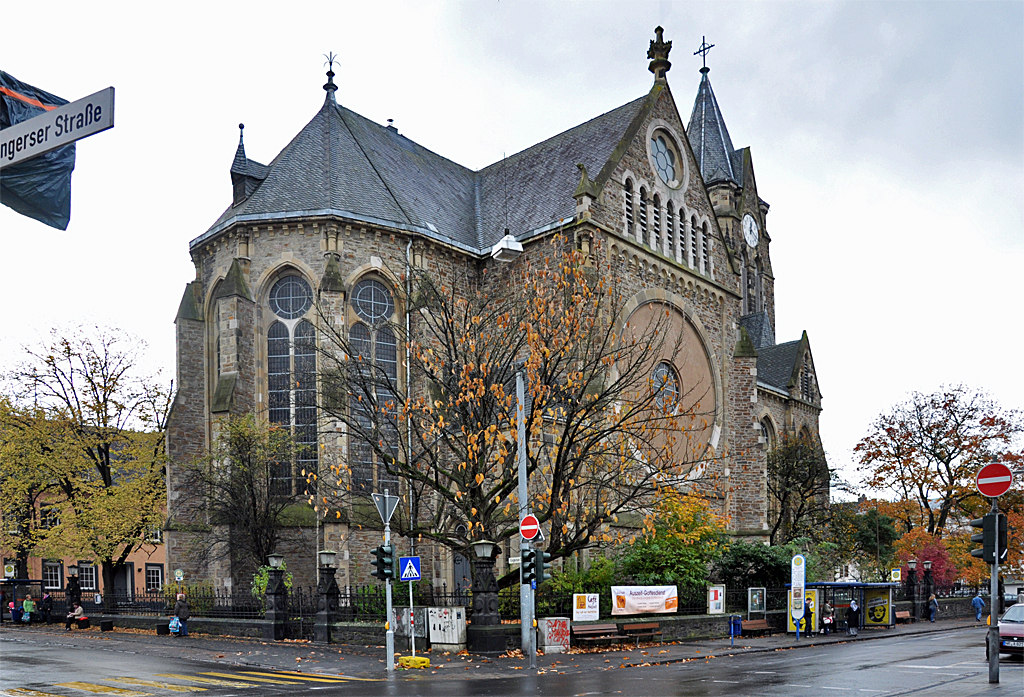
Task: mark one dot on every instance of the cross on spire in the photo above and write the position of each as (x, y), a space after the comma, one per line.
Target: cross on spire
(705, 47)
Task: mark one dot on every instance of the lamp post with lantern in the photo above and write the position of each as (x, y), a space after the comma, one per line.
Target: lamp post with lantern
(485, 635)
(327, 597)
(276, 598)
(912, 586)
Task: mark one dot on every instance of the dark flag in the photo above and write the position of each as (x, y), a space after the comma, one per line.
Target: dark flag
(39, 188)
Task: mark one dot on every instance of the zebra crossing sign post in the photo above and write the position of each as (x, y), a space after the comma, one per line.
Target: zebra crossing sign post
(409, 569)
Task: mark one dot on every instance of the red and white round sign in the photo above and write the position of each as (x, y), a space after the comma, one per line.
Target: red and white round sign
(529, 526)
(994, 479)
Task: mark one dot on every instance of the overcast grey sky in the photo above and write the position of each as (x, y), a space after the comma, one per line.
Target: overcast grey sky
(888, 138)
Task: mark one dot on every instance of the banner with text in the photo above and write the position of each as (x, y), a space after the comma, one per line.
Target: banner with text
(641, 600)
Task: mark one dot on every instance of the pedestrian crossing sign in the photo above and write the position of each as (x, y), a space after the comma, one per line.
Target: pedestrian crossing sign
(410, 567)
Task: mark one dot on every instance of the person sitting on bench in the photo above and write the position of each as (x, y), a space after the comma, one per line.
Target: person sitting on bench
(76, 615)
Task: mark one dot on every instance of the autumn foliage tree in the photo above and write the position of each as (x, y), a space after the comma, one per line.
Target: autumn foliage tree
(99, 423)
(607, 433)
(924, 454)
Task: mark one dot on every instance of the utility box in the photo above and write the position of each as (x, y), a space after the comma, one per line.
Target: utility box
(447, 628)
(402, 628)
(554, 634)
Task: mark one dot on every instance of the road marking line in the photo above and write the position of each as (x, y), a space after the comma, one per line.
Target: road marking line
(867, 690)
(797, 685)
(25, 692)
(289, 673)
(205, 681)
(758, 672)
(948, 673)
(834, 688)
(160, 685)
(928, 667)
(102, 689)
(731, 682)
(236, 676)
(294, 676)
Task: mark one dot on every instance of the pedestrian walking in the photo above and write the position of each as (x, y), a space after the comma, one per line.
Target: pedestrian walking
(28, 606)
(77, 613)
(46, 607)
(978, 603)
(181, 611)
(853, 618)
(933, 607)
(827, 618)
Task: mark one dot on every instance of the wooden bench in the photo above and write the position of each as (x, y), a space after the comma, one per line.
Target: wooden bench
(760, 626)
(903, 616)
(642, 630)
(591, 634)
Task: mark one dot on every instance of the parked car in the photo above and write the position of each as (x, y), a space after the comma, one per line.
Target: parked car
(1009, 599)
(1011, 631)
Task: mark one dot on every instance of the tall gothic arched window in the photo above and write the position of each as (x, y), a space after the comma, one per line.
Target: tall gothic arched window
(655, 240)
(671, 229)
(691, 236)
(644, 227)
(629, 206)
(375, 353)
(291, 381)
(704, 265)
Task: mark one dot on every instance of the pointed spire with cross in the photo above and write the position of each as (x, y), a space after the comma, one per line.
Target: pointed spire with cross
(658, 53)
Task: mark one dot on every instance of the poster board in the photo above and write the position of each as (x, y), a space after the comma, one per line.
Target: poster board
(811, 595)
(716, 600)
(642, 600)
(756, 601)
(878, 607)
(586, 607)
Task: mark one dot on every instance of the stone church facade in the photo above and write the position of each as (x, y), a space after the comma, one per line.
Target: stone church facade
(348, 201)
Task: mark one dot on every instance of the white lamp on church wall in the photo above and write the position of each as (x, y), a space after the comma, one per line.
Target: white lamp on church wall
(508, 248)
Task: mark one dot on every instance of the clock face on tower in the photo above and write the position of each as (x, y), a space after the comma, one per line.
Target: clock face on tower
(750, 230)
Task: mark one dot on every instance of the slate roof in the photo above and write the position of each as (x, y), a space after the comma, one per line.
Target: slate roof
(709, 138)
(759, 328)
(344, 164)
(775, 364)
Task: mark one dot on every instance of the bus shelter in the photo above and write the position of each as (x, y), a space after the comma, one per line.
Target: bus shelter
(874, 599)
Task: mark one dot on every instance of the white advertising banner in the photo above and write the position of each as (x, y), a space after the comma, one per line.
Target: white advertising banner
(641, 600)
(586, 607)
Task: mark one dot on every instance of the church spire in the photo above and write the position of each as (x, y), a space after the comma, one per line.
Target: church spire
(239, 165)
(709, 138)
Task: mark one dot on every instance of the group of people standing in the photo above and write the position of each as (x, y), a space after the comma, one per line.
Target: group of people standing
(29, 608)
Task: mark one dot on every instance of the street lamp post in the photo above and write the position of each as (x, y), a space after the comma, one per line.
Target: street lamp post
(327, 600)
(485, 634)
(276, 598)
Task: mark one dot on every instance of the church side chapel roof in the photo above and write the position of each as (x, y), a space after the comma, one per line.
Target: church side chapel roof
(345, 164)
(759, 327)
(775, 364)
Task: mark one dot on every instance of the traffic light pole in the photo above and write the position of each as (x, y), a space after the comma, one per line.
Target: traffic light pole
(526, 612)
(389, 634)
(993, 617)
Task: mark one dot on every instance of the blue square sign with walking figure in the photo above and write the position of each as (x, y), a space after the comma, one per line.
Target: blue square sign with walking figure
(410, 567)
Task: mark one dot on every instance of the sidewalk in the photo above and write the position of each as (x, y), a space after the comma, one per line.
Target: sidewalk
(368, 662)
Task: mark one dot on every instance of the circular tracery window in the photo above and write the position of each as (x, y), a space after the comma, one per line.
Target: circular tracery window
(666, 385)
(372, 301)
(666, 160)
(291, 297)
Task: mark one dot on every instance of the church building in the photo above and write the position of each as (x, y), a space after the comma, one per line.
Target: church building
(349, 200)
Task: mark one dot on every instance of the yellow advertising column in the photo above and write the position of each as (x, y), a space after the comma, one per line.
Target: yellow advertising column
(811, 614)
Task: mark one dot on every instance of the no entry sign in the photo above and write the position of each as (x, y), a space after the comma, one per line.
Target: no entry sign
(994, 479)
(529, 526)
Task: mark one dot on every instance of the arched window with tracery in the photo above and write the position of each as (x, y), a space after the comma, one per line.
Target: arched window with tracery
(767, 434)
(704, 248)
(629, 206)
(374, 399)
(691, 235)
(807, 380)
(291, 381)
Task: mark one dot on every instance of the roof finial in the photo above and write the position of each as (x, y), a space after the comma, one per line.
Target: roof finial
(241, 127)
(658, 53)
(330, 87)
(703, 52)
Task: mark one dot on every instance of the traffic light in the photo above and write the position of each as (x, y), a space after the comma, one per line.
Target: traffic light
(384, 562)
(992, 526)
(543, 566)
(987, 537)
(527, 566)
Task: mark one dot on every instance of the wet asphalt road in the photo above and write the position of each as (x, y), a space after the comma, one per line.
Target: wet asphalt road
(948, 663)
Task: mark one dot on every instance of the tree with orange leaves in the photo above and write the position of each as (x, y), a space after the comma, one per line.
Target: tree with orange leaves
(608, 434)
(927, 450)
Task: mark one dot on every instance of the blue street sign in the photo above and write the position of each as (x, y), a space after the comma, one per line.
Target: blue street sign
(410, 567)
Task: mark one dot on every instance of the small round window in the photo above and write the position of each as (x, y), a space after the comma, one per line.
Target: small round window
(666, 385)
(666, 160)
(372, 301)
(291, 297)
